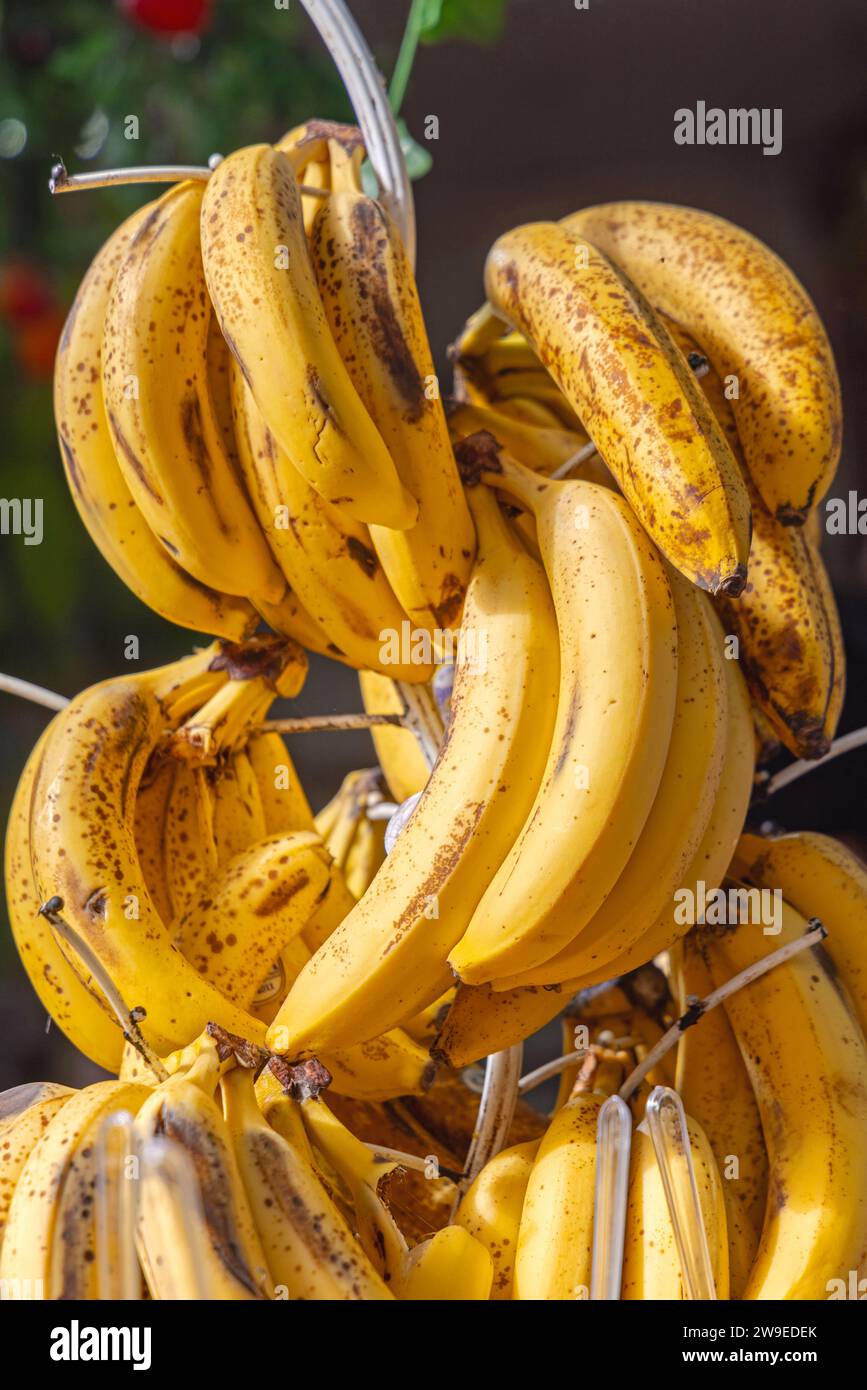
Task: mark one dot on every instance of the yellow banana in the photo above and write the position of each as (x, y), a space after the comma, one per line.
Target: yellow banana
(555, 1239)
(540, 448)
(491, 1210)
(327, 557)
(716, 1090)
(400, 755)
(262, 284)
(651, 1266)
(482, 1020)
(79, 1009)
(786, 620)
(151, 810)
(618, 675)
(182, 1111)
(450, 1265)
(25, 1114)
(26, 1256)
(284, 800)
(365, 857)
(820, 877)
(616, 364)
(262, 899)
(310, 1251)
(190, 850)
(681, 812)
(755, 321)
(372, 307)
(98, 486)
(238, 817)
(807, 1060)
(161, 416)
(388, 958)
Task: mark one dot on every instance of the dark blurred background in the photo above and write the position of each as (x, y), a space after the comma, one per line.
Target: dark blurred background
(542, 108)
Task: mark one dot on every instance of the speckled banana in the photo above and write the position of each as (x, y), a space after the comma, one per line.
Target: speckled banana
(29, 1260)
(400, 755)
(161, 416)
(189, 848)
(807, 1059)
(310, 1250)
(25, 1114)
(716, 1089)
(681, 811)
(555, 1238)
(365, 857)
(388, 958)
(618, 677)
(238, 817)
(786, 620)
(327, 557)
(262, 285)
(182, 1111)
(98, 486)
(372, 307)
(755, 321)
(78, 1007)
(491, 1210)
(651, 1266)
(615, 362)
(820, 877)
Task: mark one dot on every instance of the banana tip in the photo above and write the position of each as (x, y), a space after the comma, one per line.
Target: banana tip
(733, 584)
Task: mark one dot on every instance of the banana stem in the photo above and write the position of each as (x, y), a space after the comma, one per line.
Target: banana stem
(697, 1011)
(856, 739)
(61, 181)
(127, 1018)
(421, 715)
(532, 1079)
(37, 694)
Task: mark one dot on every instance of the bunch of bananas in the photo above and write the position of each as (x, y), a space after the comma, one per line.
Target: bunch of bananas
(600, 560)
(248, 413)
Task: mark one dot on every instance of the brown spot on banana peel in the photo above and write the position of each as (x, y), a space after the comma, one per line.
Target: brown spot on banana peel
(281, 895)
(133, 460)
(370, 232)
(317, 390)
(364, 556)
(445, 861)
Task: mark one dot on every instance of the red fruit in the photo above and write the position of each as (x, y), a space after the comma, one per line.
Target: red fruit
(36, 344)
(168, 16)
(25, 292)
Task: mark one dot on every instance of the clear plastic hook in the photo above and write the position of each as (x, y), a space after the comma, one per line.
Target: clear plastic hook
(613, 1149)
(118, 1273)
(666, 1123)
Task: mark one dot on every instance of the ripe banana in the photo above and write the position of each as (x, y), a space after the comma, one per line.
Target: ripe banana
(327, 557)
(618, 670)
(491, 1210)
(238, 817)
(400, 755)
(388, 958)
(482, 1020)
(78, 1008)
(716, 1090)
(372, 307)
(261, 901)
(28, 1244)
(651, 1266)
(25, 1114)
(786, 620)
(681, 811)
(182, 1111)
(616, 364)
(449, 1266)
(555, 1239)
(821, 877)
(160, 413)
(365, 857)
(310, 1251)
(190, 850)
(261, 282)
(98, 486)
(755, 321)
(149, 832)
(807, 1060)
(284, 800)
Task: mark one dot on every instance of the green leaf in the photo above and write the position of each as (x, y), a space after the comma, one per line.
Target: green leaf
(479, 21)
(419, 160)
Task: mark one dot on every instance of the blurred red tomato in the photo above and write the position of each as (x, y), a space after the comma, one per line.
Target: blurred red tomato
(36, 344)
(168, 16)
(25, 292)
